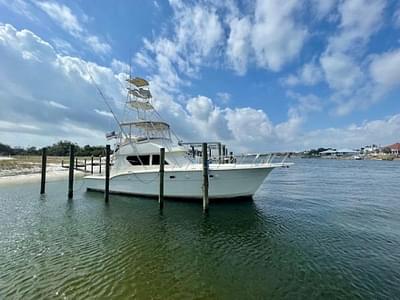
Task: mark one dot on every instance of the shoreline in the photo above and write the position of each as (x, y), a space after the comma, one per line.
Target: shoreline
(53, 175)
(24, 169)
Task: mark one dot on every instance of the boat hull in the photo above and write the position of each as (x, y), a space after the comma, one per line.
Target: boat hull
(223, 184)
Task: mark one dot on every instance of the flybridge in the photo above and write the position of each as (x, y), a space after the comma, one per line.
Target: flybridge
(147, 124)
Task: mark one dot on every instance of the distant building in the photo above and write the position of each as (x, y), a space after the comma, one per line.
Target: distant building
(370, 149)
(338, 153)
(394, 149)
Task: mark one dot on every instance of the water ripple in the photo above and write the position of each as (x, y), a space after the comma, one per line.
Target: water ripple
(322, 229)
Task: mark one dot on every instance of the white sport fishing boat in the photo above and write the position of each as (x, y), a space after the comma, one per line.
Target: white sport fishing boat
(136, 159)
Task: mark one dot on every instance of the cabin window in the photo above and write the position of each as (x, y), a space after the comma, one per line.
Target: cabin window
(156, 160)
(134, 160)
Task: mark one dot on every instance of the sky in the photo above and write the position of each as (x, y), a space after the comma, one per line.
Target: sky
(264, 75)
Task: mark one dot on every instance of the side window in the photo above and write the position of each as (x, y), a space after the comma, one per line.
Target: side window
(134, 160)
(145, 159)
(156, 159)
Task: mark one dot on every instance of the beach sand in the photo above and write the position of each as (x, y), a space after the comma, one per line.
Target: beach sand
(31, 176)
(17, 170)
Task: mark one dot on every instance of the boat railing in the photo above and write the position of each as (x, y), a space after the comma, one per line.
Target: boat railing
(249, 159)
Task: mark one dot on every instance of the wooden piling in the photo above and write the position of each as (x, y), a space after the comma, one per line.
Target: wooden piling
(161, 192)
(91, 165)
(193, 152)
(85, 164)
(99, 164)
(71, 172)
(62, 163)
(223, 154)
(43, 180)
(219, 152)
(205, 178)
(107, 181)
(76, 163)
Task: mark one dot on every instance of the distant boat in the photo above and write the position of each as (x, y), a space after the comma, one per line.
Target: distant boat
(136, 159)
(357, 157)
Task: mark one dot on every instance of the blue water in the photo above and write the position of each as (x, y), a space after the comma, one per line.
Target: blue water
(320, 229)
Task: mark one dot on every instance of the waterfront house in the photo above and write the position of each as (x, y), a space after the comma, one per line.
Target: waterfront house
(370, 149)
(333, 153)
(328, 153)
(394, 149)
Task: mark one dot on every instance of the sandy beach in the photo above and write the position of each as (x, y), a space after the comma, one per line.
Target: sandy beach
(20, 169)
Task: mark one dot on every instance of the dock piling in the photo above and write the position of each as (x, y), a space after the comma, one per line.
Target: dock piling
(99, 164)
(43, 179)
(76, 163)
(161, 192)
(219, 152)
(85, 164)
(91, 165)
(205, 177)
(107, 181)
(71, 172)
(223, 154)
(193, 152)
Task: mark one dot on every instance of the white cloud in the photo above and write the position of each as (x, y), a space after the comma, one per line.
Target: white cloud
(206, 119)
(97, 45)
(323, 7)
(344, 63)
(25, 82)
(304, 104)
(276, 36)
(13, 127)
(200, 107)
(200, 27)
(289, 131)
(270, 36)
(248, 124)
(103, 113)
(238, 44)
(381, 76)
(382, 132)
(64, 17)
(119, 67)
(63, 46)
(359, 20)
(224, 97)
(20, 7)
(341, 72)
(385, 69)
(40, 122)
(57, 105)
(309, 74)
